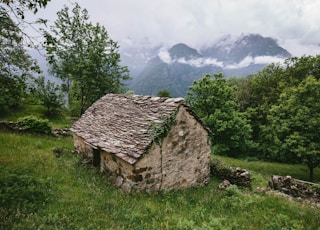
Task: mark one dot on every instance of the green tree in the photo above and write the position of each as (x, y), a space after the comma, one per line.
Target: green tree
(16, 66)
(295, 124)
(49, 94)
(213, 99)
(164, 93)
(298, 68)
(265, 89)
(242, 94)
(84, 57)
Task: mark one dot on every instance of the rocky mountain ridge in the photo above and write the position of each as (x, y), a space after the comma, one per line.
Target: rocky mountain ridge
(176, 68)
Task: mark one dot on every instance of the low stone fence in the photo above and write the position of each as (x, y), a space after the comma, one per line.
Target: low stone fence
(295, 188)
(230, 175)
(9, 125)
(15, 127)
(62, 132)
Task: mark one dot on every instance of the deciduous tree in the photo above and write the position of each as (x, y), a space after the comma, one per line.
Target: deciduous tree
(213, 99)
(84, 57)
(49, 94)
(16, 66)
(295, 123)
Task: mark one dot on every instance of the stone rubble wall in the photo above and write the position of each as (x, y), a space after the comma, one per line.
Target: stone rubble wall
(62, 132)
(15, 127)
(230, 175)
(294, 188)
(10, 125)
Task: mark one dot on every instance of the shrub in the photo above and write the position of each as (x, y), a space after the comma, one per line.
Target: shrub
(34, 125)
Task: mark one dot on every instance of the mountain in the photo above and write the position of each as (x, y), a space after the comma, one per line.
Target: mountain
(137, 56)
(231, 50)
(175, 69)
(183, 51)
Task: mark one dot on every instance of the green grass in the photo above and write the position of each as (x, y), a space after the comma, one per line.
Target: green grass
(75, 196)
(262, 171)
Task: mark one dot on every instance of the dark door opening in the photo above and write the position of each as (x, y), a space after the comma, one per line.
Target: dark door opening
(96, 157)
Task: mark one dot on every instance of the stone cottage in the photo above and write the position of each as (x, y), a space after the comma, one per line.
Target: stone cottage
(145, 143)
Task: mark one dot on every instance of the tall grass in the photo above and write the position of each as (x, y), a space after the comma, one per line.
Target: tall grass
(75, 196)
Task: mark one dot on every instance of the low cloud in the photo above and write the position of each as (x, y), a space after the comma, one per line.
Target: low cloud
(200, 62)
(165, 57)
(249, 60)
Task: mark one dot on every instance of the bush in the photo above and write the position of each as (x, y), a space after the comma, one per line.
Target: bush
(34, 125)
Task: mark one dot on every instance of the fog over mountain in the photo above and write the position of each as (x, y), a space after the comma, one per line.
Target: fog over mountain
(177, 67)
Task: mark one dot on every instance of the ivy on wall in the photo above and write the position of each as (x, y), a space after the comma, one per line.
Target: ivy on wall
(158, 131)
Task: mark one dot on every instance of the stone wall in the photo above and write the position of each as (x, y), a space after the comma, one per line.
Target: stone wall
(82, 148)
(185, 154)
(10, 125)
(148, 174)
(295, 188)
(231, 175)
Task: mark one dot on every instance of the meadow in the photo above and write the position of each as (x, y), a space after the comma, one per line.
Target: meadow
(41, 189)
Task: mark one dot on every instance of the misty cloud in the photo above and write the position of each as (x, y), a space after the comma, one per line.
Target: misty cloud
(165, 57)
(249, 60)
(200, 62)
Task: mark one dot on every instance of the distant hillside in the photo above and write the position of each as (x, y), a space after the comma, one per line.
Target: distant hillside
(175, 69)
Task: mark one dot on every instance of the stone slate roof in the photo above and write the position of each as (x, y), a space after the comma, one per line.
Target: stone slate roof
(119, 124)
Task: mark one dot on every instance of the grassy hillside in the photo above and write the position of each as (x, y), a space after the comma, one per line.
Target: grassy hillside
(44, 190)
(31, 108)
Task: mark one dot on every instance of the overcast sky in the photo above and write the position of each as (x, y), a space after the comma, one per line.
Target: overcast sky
(294, 23)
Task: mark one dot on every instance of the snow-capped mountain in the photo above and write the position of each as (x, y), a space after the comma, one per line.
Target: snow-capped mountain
(176, 68)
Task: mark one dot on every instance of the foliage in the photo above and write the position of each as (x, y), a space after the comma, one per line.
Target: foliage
(164, 93)
(265, 88)
(49, 94)
(242, 92)
(73, 185)
(34, 125)
(21, 6)
(84, 57)
(158, 131)
(267, 85)
(294, 124)
(16, 66)
(214, 102)
(299, 68)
